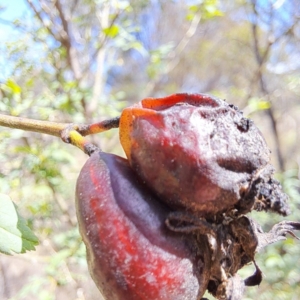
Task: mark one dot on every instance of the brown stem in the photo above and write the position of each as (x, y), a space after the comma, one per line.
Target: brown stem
(70, 133)
(46, 127)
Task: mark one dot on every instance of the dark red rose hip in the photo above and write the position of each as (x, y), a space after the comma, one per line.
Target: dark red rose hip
(199, 154)
(131, 253)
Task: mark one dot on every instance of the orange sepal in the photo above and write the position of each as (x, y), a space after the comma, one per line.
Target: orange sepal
(126, 123)
(166, 102)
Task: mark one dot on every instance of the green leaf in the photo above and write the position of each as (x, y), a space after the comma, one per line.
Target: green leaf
(15, 235)
(111, 31)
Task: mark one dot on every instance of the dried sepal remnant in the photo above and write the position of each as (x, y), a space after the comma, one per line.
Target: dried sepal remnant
(232, 244)
(131, 253)
(268, 192)
(200, 154)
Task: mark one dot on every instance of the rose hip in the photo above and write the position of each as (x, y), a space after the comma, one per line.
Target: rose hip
(131, 253)
(199, 154)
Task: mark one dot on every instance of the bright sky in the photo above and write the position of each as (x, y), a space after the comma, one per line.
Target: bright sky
(13, 9)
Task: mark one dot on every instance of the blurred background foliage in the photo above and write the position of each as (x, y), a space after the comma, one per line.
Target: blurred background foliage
(84, 61)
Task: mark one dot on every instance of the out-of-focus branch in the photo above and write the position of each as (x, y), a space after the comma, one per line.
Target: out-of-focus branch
(99, 55)
(5, 285)
(102, 40)
(65, 32)
(67, 42)
(39, 16)
(74, 5)
(62, 206)
(174, 56)
(103, 17)
(60, 30)
(261, 60)
(61, 34)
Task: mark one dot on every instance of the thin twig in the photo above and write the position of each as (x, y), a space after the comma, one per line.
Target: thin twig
(70, 133)
(66, 41)
(39, 16)
(60, 34)
(99, 75)
(46, 127)
(65, 33)
(73, 7)
(62, 206)
(101, 44)
(261, 60)
(55, 128)
(174, 56)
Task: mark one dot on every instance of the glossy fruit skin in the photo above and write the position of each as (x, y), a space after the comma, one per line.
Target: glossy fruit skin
(131, 253)
(196, 152)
